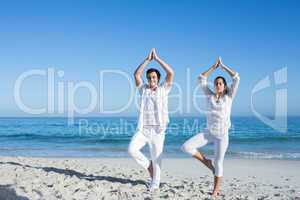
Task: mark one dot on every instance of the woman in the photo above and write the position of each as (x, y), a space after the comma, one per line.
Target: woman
(153, 117)
(217, 122)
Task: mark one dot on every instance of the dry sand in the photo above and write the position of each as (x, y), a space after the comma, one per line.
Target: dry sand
(112, 178)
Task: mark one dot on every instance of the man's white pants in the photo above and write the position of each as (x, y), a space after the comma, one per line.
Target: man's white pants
(154, 136)
(202, 139)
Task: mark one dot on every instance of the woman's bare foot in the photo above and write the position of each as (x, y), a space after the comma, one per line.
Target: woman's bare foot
(207, 162)
(215, 193)
(150, 170)
(217, 184)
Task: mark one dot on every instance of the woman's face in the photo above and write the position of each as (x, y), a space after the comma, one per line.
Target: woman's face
(152, 79)
(219, 86)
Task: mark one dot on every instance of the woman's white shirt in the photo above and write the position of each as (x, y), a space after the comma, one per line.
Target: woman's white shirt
(218, 112)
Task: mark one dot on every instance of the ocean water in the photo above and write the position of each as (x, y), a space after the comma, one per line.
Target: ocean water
(109, 137)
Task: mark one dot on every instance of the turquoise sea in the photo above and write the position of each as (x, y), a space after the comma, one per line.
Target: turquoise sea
(109, 137)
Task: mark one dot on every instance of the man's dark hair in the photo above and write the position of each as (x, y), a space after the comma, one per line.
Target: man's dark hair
(153, 70)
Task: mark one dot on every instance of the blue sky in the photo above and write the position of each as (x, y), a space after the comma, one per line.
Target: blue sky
(256, 38)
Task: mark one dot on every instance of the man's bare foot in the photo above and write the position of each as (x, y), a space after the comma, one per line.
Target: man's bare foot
(150, 170)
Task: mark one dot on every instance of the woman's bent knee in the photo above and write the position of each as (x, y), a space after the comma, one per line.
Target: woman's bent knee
(131, 150)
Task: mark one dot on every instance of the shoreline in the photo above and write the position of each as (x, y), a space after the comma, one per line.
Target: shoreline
(165, 157)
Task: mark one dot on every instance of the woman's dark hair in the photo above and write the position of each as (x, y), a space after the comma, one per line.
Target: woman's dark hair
(153, 70)
(224, 82)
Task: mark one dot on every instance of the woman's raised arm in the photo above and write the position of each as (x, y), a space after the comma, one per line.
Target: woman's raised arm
(202, 78)
(235, 79)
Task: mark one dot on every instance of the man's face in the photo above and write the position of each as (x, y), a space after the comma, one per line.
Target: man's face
(152, 79)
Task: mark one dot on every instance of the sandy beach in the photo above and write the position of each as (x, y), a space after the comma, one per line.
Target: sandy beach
(111, 178)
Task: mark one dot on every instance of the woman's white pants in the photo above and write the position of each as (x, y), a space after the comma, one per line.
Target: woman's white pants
(154, 136)
(202, 139)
